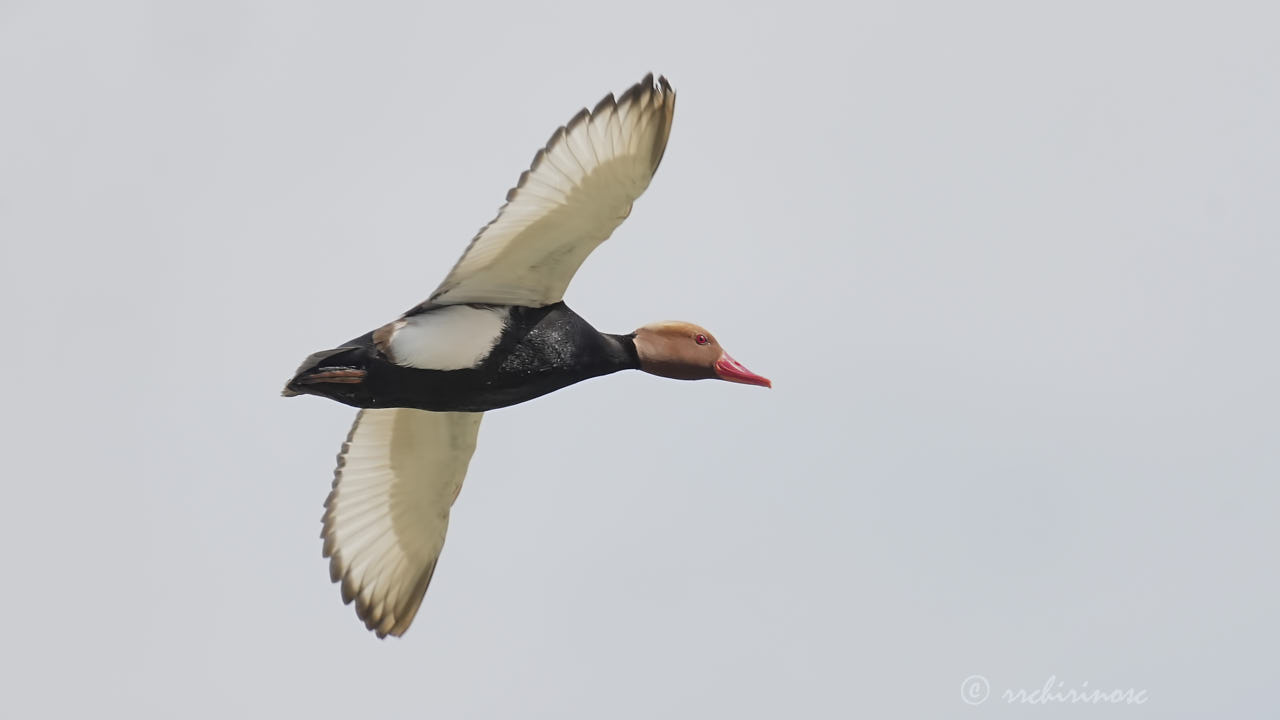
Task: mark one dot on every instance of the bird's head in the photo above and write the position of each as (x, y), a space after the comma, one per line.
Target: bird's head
(684, 351)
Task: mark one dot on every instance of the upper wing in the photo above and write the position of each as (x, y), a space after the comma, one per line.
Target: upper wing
(578, 189)
(385, 520)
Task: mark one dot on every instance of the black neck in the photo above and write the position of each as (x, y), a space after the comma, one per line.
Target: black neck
(622, 350)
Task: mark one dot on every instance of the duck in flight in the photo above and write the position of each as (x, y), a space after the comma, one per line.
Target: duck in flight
(495, 333)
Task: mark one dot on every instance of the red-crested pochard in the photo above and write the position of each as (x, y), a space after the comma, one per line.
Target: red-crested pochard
(495, 333)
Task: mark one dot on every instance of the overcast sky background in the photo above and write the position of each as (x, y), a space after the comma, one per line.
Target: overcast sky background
(1013, 269)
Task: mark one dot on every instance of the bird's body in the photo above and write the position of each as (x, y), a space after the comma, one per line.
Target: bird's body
(495, 333)
(535, 351)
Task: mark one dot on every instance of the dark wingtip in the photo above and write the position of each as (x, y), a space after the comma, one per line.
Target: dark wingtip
(605, 102)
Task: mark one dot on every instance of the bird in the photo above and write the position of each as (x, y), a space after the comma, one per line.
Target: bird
(496, 332)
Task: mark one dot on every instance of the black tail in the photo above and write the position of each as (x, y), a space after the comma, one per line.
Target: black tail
(338, 374)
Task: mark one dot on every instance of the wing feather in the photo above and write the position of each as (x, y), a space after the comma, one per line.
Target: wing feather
(386, 517)
(577, 190)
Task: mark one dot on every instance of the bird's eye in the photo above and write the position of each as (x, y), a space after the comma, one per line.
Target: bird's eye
(701, 339)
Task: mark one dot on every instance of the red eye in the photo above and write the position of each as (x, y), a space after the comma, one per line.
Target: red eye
(701, 339)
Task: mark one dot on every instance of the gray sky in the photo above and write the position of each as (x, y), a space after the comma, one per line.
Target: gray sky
(1013, 270)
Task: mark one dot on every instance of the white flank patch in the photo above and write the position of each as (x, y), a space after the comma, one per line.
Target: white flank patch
(448, 338)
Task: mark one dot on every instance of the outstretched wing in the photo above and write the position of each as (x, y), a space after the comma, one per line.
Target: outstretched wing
(578, 189)
(385, 520)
